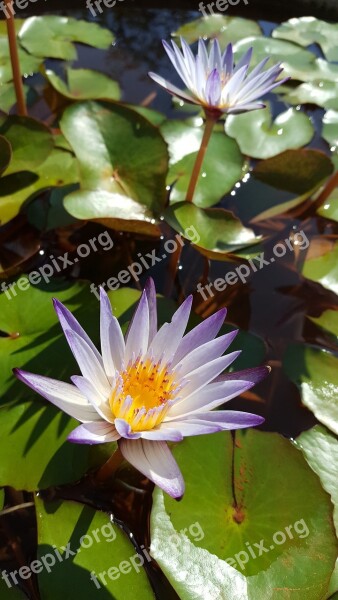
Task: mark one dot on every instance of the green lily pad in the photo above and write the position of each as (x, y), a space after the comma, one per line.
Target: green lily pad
(315, 372)
(8, 97)
(309, 30)
(84, 84)
(220, 232)
(59, 169)
(329, 210)
(324, 268)
(126, 182)
(54, 36)
(328, 321)
(322, 93)
(5, 154)
(330, 127)
(320, 449)
(288, 520)
(259, 136)
(33, 443)
(215, 181)
(31, 142)
(98, 547)
(10, 593)
(28, 64)
(225, 29)
(300, 172)
(298, 63)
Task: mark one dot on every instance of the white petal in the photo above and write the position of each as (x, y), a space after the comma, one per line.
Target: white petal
(212, 396)
(203, 375)
(63, 395)
(88, 363)
(137, 337)
(94, 397)
(156, 462)
(167, 339)
(205, 353)
(112, 340)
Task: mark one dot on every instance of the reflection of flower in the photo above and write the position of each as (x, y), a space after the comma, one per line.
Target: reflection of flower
(150, 388)
(214, 82)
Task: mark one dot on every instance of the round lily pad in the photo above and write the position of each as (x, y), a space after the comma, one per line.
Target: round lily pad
(126, 181)
(225, 29)
(315, 371)
(322, 265)
(253, 515)
(84, 84)
(54, 36)
(260, 137)
(309, 30)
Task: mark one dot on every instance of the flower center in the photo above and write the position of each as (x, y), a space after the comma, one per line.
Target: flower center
(142, 394)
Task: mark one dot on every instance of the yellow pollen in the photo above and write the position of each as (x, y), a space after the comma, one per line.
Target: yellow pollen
(150, 386)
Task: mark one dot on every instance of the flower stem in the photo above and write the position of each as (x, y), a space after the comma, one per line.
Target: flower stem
(110, 466)
(13, 49)
(209, 125)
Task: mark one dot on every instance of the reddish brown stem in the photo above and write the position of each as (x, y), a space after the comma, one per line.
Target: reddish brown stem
(13, 50)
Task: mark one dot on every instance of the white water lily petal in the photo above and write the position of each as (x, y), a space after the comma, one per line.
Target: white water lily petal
(137, 337)
(156, 462)
(90, 367)
(112, 341)
(63, 395)
(203, 375)
(94, 433)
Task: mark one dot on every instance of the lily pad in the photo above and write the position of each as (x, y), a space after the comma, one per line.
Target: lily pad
(330, 128)
(220, 232)
(328, 321)
(288, 521)
(320, 449)
(323, 268)
(29, 64)
(298, 63)
(59, 169)
(309, 30)
(31, 142)
(8, 97)
(97, 545)
(84, 84)
(33, 443)
(10, 593)
(126, 181)
(259, 136)
(5, 154)
(321, 93)
(54, 36)
(225, 29)
(329, 210)
(315, 371)
(300, 172)
(215, 181)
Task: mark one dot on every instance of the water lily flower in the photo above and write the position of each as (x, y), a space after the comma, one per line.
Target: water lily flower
(150, 388)
(215, 83)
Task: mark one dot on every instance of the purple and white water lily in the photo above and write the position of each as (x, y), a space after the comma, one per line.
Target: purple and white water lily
(151, 387)
(214, 82)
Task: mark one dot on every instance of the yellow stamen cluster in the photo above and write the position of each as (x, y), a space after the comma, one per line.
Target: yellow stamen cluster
(151, 386)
